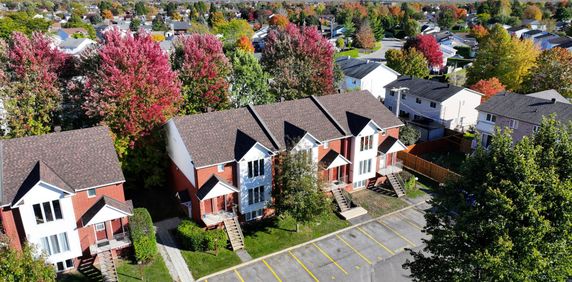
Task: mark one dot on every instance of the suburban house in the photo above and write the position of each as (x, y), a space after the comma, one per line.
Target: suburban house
(75, 46)
(517, 31)
(531, 34)
(223, 163)
(180, 27)
(520, 113)
(432, 106)
(63, 192)
(366, 75)
(560, 41)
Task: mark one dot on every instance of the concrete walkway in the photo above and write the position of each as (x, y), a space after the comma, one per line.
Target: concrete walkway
(170, 252)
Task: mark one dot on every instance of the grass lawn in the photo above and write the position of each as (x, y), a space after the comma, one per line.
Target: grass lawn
(153, 271)
(377, 46)
(205, 263)
(354, 53)
(275, 234)
(449, 160)
(375, 203)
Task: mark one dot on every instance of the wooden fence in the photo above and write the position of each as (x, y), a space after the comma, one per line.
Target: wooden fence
(427, 168)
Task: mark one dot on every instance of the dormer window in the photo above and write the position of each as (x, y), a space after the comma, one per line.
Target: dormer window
(366, 143)
(47, 211)
(255, 168)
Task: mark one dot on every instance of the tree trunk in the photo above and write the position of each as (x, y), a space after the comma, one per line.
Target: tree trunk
(297, 227)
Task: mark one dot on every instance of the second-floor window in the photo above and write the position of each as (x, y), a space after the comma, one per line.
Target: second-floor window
(47, 211)
(256, 168)
(364, 167)
(55, 244)
(513, 123)
(366, 143)
(491, 118)
(256, 195)
(433, 105)
(417, 100)
(535, 128)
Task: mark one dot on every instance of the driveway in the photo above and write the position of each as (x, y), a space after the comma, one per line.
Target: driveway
(386, 44)
(370, 251)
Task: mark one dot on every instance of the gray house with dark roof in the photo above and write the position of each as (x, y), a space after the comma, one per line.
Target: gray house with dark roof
(520, 113)
(432, 106)
(223, 163)
(366, 75)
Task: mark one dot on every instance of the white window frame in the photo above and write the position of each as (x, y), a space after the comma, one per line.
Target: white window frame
(364, 167)
(98, 226)
(257, 214)
(403, 97)
(48, 243)
(89, 191)
(326, 144)
(491, 118)
(256, 168)
(366, 143)
(513, 124)
(220, 167)
(52, 210)
(256, 194)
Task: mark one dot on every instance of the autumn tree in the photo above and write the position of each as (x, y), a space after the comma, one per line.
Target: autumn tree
(507, 58)
(407, 62)
(508, 217)
(233, 30)
(553, 70)
(411, 27)
(31, 87)
(204, 70)
(249, 80)
(244, 43)
(428, 46)
(299, 194)
(278, 21)
(300, 61)
(365, 37)
(107, 14)
(488, 88)
(478, 32)
(447, 18)
(532, 12)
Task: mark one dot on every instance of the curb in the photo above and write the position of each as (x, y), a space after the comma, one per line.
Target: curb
(306, 243)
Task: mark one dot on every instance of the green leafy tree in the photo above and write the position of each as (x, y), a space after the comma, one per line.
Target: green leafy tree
(407, 62)
(563, 14)
(23, 265)
(349, 30)
(553, 70)
(234, 29)
(508, 217)
(300, 192)
(408, 134)
(411, 27)
(143, 235)
(158, 24)
(377, 27)
(446, 18)
(21, 22)
(141, 9)
(135, 24)
(249, 81)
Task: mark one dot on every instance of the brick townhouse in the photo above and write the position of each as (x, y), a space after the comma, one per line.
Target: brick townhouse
(63, 193)
(222, 163)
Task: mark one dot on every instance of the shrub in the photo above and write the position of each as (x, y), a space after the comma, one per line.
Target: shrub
(143, 235)
(194, 238)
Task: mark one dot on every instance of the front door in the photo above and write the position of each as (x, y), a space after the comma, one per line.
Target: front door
(100, 231)
(220, 203)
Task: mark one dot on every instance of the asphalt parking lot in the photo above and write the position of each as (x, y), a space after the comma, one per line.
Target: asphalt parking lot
(372, 251)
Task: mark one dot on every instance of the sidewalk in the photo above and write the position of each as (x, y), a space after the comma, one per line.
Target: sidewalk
(170, 252)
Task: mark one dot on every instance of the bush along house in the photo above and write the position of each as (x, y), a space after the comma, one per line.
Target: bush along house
(222, 163)
(63, 193)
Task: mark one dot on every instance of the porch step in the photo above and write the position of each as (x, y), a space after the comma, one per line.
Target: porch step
(234, 232)
(341, 199)
(107, 266)
(396, 185)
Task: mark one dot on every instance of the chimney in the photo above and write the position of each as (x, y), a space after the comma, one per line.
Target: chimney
(553, 100)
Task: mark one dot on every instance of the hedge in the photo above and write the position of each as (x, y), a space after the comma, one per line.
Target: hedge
(194, 238)
(143, 235)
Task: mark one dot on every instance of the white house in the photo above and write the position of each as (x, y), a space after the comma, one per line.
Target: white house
(366, 75)
(432, 106)
(75, 46)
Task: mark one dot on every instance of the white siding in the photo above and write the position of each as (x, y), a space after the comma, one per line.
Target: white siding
(358, 156)
(34, 232)
(460, 109)
(178, 152)
(308, 143)
(374, 82)
(483, 125)
(245, 183)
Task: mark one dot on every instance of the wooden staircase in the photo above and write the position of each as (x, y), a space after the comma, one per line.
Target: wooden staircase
(396, 184)
(107, 266)
(341, 199)
(234, 233)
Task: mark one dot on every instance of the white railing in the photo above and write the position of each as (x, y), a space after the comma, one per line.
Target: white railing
(396, 167)
(332, 184)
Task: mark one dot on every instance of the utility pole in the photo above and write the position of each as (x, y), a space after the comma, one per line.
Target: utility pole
(398, 91)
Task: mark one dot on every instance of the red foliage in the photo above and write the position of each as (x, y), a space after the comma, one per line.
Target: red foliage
(479, 31)
(489, 87)
(35, 56)
(301, 61)
(245, 44)
(134, 89)
(395, 11)
(427, 44)
(204, 70)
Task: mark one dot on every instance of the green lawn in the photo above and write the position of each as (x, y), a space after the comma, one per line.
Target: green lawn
(205, 263)
(449, 160)
(275, 234)
(376, 203)
(354, 53)
(153, 271)
(377, 46)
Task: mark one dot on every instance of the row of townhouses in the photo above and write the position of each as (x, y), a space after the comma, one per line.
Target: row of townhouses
(223, 163)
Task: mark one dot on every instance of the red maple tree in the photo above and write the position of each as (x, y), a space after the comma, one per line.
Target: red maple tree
(488, 87)
(427, 44)
(245, 44)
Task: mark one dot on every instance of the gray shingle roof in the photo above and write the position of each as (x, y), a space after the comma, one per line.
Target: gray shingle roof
(219, 137)
(357, 68)
(525, 108)
(560, 40)
(532, 32)
(549, 95)
(81, 158)
(428, 89)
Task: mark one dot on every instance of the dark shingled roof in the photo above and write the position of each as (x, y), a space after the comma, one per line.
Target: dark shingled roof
(533, 32)
(354, 110)
(428, 89)
(525, 108)
(357, 68)
(209, 185)
(126, 207)
(329, 158)
(75, 159)
(386, 145)
(43, 172)
(560, 40)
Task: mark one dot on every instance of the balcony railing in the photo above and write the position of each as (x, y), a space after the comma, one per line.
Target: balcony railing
(396, 167)
(332, 184)
(216, 218)
(119, 241)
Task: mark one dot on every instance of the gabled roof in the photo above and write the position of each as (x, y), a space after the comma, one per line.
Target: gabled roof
(428, 89)
(533, 32)
(560, 40)
(75, 159)
(215, 187)
(391, 145)
(41, 172)
(357, 68)
(179, 25)
(549, 95)
(516, 28)
(122, 207)
(333, 159)
(525, 108)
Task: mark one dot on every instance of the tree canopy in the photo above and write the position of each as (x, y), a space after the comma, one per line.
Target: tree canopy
(428, 46)
(407, 62)
(553, 70)
(249, 80)
(23, 265)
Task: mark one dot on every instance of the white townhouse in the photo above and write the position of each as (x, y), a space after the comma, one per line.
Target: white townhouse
(366, 75)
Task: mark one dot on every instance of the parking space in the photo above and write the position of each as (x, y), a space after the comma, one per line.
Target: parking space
(355, 254)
